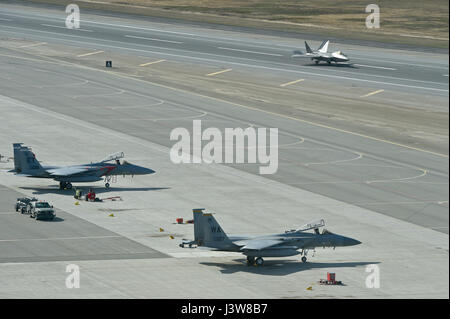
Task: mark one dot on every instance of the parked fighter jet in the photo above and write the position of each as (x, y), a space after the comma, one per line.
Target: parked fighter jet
(321, 54)
(208, 233)
(26, 164)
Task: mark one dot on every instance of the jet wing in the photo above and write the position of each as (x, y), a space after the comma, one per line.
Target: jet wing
(299, 54)
(258, 244)
(68, 171)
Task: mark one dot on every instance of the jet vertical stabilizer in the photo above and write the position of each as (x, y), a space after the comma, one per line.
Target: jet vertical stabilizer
(308, 48)
(214, 234)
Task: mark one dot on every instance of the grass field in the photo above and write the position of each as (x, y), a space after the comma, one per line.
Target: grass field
(413, 17)
(402, 21)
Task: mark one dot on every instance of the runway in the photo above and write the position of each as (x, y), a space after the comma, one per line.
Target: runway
(411, 72)
(369, 154)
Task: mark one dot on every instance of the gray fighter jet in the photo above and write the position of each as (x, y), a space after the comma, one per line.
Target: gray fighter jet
(321, 54)
(26, 164)
(208, 233)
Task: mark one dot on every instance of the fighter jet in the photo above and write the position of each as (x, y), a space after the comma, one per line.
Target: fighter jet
(208, 233)
(321, 54)
(26, 164)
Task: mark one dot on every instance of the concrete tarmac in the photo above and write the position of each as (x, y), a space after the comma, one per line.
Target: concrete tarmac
(243, 203)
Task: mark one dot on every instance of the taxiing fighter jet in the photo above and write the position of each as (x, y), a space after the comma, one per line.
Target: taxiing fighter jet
(321, 54)
(26, 164)
(208, 233)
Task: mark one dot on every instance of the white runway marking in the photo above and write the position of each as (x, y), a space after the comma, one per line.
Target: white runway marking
(424, 172)
(359, 156)
(61, 27)
(292, 82)
(58, 238)
(372, 93)
(375, 67)
(3, 19)
(32, 45)
(218, 72)
(90, 53)
(246, 51)
(154, 62)
(153, 39)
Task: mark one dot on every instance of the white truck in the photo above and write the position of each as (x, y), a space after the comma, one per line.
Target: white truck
(41, 210)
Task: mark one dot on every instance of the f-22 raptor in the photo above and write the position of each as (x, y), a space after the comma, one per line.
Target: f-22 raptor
(26, 164)
(321, 54)
(208, 233)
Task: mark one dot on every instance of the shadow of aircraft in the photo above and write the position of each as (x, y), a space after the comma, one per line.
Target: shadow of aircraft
(334, 65)
(54, 220)
(100, 190)
(280, 267)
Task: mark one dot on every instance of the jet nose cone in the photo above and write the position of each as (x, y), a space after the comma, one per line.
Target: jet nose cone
(351, 242)
(145, 171)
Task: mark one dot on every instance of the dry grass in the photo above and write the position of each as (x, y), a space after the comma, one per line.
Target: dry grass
(412, 17)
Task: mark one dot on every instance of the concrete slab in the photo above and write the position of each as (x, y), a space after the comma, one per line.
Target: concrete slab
(391, 244)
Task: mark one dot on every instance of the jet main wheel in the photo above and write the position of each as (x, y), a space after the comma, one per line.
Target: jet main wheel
(304, 259)
(259, 261)
(250, 261)
(69, 186)
(62, 185)
(107, 185)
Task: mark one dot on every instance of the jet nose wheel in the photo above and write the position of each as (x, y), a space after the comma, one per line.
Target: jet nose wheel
(69, 186)
(107, 185)
(259, 261)
(304, 259)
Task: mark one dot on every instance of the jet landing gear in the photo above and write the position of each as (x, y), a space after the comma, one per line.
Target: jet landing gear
(110, 179)
(252, 261)
(65, 185)
(304, 252)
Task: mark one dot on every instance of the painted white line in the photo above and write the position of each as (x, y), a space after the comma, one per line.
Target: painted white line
(60, 27)
(373, 93)
(218, 72)
(246, 51)
(58, 238)
(153, 39)
(3, 19)
(375, 67)
(445, 75)
(32, 45)
(292, 82)
(90, 53)
(424, 172)
(154, 62)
